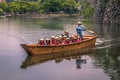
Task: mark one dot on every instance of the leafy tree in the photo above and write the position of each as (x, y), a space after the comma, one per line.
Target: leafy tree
(51, 6)
(34, 6)
(87, 10)
(14, 7)
(69, 6)
(4, 6)
(24, 7)
(1, 11)
(47, 6)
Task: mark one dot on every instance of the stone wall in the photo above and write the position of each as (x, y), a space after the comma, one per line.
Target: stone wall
(100, 9)
(92, 2)
(109, 12)
(112, 12)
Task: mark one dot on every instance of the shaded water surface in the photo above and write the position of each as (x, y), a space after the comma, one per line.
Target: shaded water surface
(101, 63)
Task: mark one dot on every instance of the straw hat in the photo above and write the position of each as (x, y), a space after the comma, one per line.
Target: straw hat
(66, 31)
(53, 36)
(60, 36)
(41, 39)
(56, 37)
(47, 39)
(67, 38)
(79, 23)
(72, 36)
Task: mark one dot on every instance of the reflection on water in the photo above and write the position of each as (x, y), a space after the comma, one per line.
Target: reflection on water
(51, 24)
(80, 61)
(103, 64)
(107, 56)
(58, 57)
(108, 60)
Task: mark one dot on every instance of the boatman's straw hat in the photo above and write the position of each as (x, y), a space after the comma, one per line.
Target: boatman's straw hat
(79, 23)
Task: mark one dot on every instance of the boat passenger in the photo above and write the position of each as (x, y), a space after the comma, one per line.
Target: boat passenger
(79, 29)
(53, 40)
(62, 35)
(57, 40)
(67, 41)
(47, 41)
(64, 40)
(41, 42)
(72, 39)
(66, 33)
(60, 39)
(77, 38)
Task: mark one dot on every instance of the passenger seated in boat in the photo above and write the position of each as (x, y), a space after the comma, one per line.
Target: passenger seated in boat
(72, 39)
(57, 40)
(63, 39)
(47, 41)
(60, 39)
(53, 40)
(67, 41)
(62, 35)
(77, 38)
(66, 33)
(41, 42)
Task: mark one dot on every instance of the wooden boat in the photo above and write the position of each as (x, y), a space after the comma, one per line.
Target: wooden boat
(88, 41)
(32, 60)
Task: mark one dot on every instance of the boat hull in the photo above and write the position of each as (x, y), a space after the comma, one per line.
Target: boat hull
(37, 49)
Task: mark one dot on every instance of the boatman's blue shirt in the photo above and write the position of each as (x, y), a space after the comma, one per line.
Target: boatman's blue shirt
(79, 29)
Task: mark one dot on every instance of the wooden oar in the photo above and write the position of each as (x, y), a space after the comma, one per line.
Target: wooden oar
(91, 32)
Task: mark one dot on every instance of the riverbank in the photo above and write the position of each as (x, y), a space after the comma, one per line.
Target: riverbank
(35, 15)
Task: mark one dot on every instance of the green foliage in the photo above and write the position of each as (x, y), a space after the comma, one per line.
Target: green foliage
(4, 6)
(51, 6)
(87, 10)
(69, 6)
(34, 6)
(13, 7)
(1, 11)
(48, 6)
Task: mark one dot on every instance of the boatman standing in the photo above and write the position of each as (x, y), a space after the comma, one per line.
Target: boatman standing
(79, 29)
